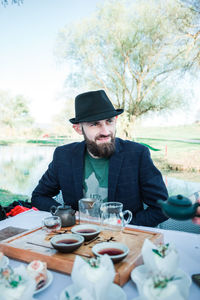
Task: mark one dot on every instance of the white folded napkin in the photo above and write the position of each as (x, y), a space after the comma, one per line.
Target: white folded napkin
(16, 284)
(95, 275)
(163, 289)
(162, 259)
(160, 278)
(151, 286)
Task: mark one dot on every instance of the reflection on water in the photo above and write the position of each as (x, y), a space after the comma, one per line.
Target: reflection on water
(21, 166)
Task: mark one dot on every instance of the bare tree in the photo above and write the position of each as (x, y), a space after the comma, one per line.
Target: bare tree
(193, 35)
(130, 49)
(6, 2)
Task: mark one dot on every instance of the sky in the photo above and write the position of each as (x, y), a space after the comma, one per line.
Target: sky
(27, 64)
(27, 40)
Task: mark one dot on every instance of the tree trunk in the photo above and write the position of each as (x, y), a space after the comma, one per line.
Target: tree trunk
(126, 127)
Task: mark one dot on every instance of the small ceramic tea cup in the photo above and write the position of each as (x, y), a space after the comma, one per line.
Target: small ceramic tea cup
(116, 251)
(88, 231)
(67, 242)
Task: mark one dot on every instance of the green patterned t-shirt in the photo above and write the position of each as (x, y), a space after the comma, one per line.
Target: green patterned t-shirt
(95, 184)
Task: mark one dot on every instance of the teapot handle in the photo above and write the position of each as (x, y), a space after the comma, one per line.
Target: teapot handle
(53, 209)
(73, 212)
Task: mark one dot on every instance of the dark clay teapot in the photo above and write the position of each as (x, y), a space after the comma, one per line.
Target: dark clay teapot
(66, 213)
(179, 207)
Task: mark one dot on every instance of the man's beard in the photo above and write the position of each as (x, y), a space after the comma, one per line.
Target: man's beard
(103, 150)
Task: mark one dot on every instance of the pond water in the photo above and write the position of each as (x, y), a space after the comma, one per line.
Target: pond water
(21, 166)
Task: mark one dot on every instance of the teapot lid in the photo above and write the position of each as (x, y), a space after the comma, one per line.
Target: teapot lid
(64, 206)
(179, 200)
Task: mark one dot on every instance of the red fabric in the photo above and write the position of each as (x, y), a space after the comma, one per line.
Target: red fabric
(18, 209)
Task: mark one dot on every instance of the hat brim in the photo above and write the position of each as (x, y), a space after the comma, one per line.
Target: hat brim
(98, 117)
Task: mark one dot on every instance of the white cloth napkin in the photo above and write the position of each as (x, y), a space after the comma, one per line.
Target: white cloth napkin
(160, 261)
(23, 291)
(171, 291)
(96, 279)
(160, 278)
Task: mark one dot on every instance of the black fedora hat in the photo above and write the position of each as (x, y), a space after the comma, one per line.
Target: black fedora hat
(94, 106)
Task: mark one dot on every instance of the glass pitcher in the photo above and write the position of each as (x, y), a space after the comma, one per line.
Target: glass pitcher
(89, 211)
(112, 216)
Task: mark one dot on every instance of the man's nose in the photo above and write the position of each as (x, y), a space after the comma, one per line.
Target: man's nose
(104, 129)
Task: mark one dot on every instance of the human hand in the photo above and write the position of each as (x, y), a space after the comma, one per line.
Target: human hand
(196, 220)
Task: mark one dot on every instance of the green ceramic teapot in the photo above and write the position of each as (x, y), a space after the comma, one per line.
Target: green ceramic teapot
(179, 207)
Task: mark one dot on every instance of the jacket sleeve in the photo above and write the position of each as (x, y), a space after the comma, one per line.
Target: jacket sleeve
(47, 188)
(152, 188)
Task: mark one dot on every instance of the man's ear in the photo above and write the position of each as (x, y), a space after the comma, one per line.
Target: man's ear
(78, 128)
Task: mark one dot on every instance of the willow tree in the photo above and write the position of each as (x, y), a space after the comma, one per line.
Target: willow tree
(14, 113)
(131, 49)
(193, 34)
(6, 2)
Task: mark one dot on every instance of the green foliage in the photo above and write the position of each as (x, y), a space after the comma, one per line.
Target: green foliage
(7, 197)
(162, 249)
(4, 143)
(160, 282)
(132, 49)
(14, 111)
(46, 142)
(193, 50)
(6, 2)
(60, 120)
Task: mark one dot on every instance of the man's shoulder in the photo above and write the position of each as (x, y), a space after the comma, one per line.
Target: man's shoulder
(70, 148)
(127, 145)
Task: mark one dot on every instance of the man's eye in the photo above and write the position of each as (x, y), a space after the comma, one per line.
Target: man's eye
(110, 120)
(94, 124)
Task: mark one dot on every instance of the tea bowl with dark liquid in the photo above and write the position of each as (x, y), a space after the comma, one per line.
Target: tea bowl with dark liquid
(116, 251)
(67, 242)
(88, 231)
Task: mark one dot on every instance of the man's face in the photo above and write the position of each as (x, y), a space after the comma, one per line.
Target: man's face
(100, 137)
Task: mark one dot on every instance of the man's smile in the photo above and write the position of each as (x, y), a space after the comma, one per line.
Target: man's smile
(103, 139)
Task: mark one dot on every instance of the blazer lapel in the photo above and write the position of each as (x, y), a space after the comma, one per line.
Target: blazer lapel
(114, 170)
(78, 168)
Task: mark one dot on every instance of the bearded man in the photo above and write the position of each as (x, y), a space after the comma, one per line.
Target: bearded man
(102, 167)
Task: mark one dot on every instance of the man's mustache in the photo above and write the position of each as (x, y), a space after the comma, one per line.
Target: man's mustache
(103, 136)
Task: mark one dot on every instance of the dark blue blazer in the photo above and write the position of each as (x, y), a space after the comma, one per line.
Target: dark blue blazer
(133, 180)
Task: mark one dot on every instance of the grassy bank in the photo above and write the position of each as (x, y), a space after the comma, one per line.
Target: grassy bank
(7, 197)
(49, 141)
(178, 152)
(189, 132)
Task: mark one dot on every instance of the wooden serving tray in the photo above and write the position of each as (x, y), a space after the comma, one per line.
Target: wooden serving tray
(35, 244)
(10, 231)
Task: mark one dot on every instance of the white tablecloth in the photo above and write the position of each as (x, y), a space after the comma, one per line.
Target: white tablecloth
(187, 244)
